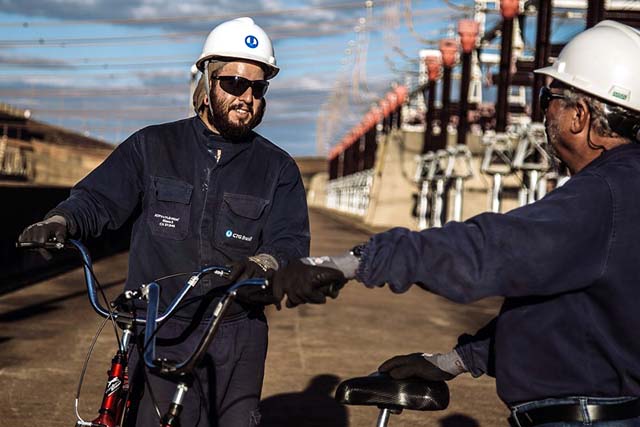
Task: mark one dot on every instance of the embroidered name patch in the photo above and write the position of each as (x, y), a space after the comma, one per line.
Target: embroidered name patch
(166, 220)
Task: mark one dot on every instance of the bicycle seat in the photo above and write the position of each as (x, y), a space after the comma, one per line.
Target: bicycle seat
(385, 392)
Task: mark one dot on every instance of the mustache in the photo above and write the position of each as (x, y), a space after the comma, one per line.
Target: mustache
(238, 105)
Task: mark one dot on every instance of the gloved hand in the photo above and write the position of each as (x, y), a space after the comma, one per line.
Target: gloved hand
(255, 266)
(51, 229)
(304, 283)
(430, 367)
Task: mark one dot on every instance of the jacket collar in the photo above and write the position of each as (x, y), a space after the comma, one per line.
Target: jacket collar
(212, 142)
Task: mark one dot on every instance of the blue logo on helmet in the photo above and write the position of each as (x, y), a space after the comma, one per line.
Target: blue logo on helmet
(251, 41)
(229, 233)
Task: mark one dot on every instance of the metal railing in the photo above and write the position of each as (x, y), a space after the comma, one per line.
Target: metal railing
(14, 161)
(519, 152)
(437, 171)
(351, 193)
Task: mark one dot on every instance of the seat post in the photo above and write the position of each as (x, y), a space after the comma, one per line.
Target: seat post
(383, 418)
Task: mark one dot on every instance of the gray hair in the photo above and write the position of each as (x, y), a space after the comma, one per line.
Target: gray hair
(598, 112)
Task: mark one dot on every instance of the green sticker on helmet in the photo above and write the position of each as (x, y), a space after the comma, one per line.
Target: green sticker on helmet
(620, 93)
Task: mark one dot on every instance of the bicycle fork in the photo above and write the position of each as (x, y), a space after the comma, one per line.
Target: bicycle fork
(114, 402)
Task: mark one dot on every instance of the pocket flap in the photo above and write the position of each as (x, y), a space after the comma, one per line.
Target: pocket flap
(245, 206)
(172, 190)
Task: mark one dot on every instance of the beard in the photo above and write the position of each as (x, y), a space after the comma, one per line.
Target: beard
(229, 130)
(553, 138)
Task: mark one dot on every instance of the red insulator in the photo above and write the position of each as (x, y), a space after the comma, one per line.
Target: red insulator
(433, 63)
(385, 107)
(509, 8)
(356, 132)
(468, 30)
(401, 93)
(377, 114)
(449, 50)
(392, 98)
(369, 121)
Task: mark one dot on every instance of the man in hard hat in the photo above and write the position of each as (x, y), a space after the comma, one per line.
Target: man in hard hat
(565, 348)
(202, 191)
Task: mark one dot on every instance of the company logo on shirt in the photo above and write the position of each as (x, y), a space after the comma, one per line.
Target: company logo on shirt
(231, 235)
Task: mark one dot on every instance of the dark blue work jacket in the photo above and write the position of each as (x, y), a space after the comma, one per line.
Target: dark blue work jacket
(569, 267)
(199, 199)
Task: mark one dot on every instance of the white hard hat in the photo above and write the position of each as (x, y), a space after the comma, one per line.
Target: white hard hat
(239, 38)
(603, 61)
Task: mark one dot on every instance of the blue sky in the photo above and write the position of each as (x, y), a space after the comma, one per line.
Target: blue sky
(110, 67)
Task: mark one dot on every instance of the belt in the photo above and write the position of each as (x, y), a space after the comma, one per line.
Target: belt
(574, 412)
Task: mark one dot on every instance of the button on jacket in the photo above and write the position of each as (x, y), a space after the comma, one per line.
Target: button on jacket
(569, 267)
(198, 200)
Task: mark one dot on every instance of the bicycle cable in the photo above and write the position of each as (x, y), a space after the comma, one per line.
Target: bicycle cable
(146, 380)
(170, 276)
(141, 347)
(106, 301)
(180, 306)
(85, 366)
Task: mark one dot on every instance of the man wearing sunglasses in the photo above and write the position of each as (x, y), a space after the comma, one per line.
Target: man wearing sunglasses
(202, 191)
(565, 349)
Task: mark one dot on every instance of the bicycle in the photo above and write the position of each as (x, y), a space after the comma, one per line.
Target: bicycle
(393, 396)
(116, 400)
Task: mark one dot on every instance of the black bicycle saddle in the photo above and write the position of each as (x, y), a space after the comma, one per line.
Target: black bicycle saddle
(385, 392)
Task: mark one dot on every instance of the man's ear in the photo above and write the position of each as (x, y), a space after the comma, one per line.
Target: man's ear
(206, 100)
(581, 115)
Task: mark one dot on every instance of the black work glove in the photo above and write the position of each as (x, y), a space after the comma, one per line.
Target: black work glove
(52, 229)
(303, 283)
(430, 367)
(251, 295)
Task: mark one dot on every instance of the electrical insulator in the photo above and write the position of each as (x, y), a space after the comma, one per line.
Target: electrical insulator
(509, 8)
(468, 30)
(433, 67)
(449, 49)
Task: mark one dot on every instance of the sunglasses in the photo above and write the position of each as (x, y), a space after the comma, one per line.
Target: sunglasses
(236, 85)
(546, 96)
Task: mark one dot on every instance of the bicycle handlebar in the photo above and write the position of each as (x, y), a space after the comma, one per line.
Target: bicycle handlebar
(151, 292)
(170, 368)
(90, 281)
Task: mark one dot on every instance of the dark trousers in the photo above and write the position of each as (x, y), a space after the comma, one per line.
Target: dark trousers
(225, 391)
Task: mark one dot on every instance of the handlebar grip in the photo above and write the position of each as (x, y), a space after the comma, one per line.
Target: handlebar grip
(45, 245)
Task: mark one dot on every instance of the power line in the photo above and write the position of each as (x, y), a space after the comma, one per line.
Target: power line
(194, 18)
(124, 71)
(275, 32)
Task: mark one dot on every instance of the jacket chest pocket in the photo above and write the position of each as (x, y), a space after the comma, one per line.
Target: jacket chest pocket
(170, 208)
(240, 222)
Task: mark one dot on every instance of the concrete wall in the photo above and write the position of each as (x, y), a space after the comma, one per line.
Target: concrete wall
(64, 165)
(391, 201)
(316, 188)
(45, 163)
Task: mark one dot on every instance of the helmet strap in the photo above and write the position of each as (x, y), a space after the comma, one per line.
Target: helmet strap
(207, 85)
